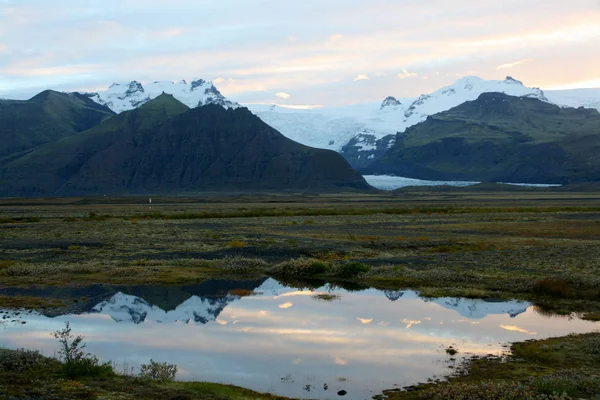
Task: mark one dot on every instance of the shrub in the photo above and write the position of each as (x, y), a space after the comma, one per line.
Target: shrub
(242, 264)
(352, 269)
(554, 287)
(22, 360)
(89, 366)
(158, 371)
(300, 267)
(237, 244)
(77, 363)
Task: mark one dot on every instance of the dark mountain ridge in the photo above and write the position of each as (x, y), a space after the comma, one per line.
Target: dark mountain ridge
(164, 147)
(45, 118)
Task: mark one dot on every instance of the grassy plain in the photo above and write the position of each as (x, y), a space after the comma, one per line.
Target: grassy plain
(542, 246)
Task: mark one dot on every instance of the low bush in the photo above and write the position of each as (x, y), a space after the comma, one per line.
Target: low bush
(300, 267)
(352, 269)
(241, 264)
(89, 366)
(158, 371)
(553, 287)
(574, 383)
(490, 390)
(237, 244)
(22, 360)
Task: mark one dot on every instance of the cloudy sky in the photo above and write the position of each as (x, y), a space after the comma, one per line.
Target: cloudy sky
(329, 52)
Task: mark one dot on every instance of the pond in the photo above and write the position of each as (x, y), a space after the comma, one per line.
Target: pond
(285, 340)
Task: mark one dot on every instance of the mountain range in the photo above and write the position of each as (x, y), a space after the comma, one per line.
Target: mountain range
(361, 132)
(165, 147)
(204, 302)
(179, 138)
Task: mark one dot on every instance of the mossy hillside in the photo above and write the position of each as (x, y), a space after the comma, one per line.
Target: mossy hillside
(499, 138)
(45, 118)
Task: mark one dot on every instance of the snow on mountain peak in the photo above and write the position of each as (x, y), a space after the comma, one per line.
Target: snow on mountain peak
(390, 102)
(121, 97)
(513, 81)
(125, 308)
(465, 89)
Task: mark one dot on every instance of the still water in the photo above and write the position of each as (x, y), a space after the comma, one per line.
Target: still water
(286, 340)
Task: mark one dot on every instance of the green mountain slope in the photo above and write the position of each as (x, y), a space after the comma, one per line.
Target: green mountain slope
(499, 138)
(166, 148)
(45, 118)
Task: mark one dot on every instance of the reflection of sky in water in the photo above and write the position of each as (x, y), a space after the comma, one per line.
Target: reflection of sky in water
(284, 339)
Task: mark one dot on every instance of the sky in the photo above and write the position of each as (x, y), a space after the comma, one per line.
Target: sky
(326, 52)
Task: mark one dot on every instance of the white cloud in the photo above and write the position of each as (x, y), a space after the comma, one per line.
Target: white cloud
(282, 95)
(312, 48)
(405, 74)
(514, 64)
(362, 77)
(340, 361)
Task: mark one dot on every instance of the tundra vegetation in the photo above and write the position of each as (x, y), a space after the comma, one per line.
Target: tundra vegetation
(538, 245)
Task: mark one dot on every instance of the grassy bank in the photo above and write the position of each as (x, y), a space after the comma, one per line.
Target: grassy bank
(28, 375)
(541, 247)
(557, 368)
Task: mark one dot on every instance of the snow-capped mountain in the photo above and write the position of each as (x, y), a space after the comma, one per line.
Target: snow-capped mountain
(360, 132)
(125, 308)
(126, 96)
(364, 132)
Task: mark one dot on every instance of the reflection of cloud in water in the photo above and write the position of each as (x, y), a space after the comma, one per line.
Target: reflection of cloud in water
(286, 305)
(260, 344)
(339, 361)
(466, 321)
(514, 328)
(298, 293)
(410, 322)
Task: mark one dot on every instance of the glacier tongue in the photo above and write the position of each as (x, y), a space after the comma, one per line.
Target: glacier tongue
(358, 125)
(121, 97)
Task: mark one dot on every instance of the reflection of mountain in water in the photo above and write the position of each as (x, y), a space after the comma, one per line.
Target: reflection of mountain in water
(478, 309)
(125, 308)
(469, 308)
(199, 303)
(394, 295)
